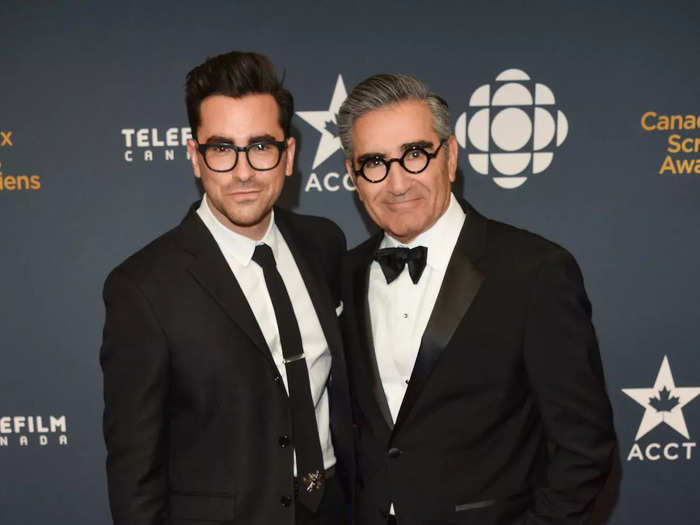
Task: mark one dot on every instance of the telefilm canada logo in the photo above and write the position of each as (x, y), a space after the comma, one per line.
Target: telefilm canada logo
(15, 181)
(154, 144)
(326, 123)
(511, 129)
(33, 431)
(663, 405)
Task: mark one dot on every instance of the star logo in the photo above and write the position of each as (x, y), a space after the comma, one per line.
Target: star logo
(325, 123)
(663, 402)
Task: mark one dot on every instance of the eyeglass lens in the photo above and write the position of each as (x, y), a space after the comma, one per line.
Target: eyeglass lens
(261, 156)
(413, 161)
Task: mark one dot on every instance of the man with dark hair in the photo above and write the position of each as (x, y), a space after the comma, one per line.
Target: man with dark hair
(478, 389)
(225, 401)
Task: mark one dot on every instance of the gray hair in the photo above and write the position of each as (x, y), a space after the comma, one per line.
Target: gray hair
(385, 89)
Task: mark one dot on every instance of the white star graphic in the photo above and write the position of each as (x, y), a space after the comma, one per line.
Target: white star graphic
(330, 142)
(668, 400)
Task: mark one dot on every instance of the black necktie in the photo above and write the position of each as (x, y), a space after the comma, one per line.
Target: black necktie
(393, 260)
(307, 445)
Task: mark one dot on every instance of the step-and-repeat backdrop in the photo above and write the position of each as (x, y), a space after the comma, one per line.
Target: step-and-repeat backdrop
(577, 120)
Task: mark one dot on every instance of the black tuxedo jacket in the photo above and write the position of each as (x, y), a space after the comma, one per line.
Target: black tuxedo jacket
(196, 415)
(505, 419)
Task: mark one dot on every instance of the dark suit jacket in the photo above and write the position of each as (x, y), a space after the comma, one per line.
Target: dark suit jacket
(505, 419)
(195, 409)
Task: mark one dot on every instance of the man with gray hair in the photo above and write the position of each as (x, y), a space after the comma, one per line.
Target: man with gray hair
(478, 389)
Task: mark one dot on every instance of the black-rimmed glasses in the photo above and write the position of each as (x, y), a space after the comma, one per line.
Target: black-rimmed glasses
(414, 160)
(223, 156)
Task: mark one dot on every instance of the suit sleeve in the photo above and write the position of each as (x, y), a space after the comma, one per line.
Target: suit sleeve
(565, 371)
(134, 362)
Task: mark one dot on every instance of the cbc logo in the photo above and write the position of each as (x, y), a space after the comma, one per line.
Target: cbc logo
(509, 131)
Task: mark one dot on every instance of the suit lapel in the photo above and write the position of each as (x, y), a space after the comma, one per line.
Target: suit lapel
(364, 323)
(318, 289)
(459, 287)
(212, 272)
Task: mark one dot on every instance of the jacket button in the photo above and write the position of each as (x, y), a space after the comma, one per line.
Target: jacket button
(284, 441)
(394, 452)
(286, 501)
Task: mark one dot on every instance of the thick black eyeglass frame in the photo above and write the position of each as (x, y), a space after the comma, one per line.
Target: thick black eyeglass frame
(281, 146)
(400, 160)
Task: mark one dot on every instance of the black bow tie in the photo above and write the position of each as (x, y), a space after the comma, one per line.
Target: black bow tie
(393, 260)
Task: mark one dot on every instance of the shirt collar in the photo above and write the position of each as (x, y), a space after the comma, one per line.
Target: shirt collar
(440, 238)
(234, 244)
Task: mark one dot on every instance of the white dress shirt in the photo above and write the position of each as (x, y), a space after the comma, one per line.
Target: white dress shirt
(400, 311)
(238, 252)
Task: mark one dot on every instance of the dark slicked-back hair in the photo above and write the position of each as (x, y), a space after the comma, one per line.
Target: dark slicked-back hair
(236, 74)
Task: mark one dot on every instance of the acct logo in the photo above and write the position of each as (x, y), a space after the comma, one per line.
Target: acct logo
(26, 431)
(147, 144)
(663, 405)
(326, 123)
(511, 128)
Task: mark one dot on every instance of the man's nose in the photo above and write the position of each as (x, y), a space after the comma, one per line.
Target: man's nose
(243, 171)
(398, 179)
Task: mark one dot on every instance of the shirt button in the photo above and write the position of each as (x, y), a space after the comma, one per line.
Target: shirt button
(405, 316)
(286, 501)
(284, 441)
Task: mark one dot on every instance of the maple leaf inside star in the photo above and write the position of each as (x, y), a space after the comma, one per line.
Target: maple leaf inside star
(331, 127)
(659, 406)
(664, 402)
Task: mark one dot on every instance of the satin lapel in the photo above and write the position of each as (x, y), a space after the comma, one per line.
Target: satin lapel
(364, 323)
(459, 287)
(318, 289)
(212, 272)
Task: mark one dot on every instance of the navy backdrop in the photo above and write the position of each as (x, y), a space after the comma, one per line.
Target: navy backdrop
(586, 132)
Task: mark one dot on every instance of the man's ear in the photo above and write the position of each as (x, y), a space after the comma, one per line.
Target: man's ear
(291, 150)
(194, 158)
(452, 152)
